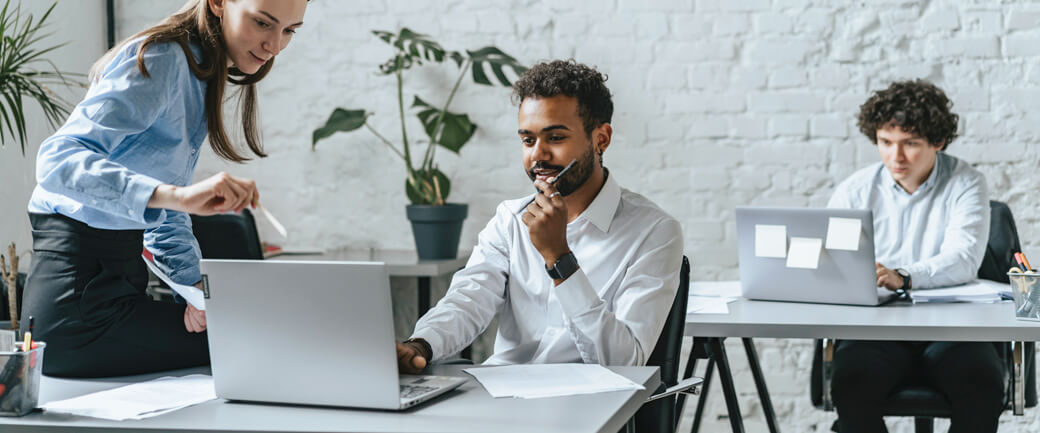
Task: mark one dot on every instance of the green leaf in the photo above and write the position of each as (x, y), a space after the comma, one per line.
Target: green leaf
(428, 187)
(495, 59)
(454, 132)
(412, 48)
(340, 121)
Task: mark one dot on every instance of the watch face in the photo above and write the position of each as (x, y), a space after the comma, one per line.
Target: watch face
(902, 273)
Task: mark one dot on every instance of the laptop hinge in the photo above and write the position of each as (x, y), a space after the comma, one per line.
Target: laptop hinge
(205, 286)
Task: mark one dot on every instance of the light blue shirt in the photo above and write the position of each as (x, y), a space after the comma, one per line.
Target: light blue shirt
(938, 234)
(130, 134)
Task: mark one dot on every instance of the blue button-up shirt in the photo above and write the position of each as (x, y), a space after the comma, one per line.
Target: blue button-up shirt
(130, 134)
(938, 234)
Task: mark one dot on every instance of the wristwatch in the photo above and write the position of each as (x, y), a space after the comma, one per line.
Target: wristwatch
(566, 265)
(906, 278)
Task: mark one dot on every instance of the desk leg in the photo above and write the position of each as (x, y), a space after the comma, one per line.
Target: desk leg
(718, 352)
(760, 383)
(424, 295)
(1018, 385)
(702, 399)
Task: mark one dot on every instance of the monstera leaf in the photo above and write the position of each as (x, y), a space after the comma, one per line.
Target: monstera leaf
(412, 48)
(340, 121)
(455, 130)
(495, 59)
(427, 187)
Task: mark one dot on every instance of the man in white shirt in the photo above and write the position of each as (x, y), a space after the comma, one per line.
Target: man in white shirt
(586, 272)
(931, 226)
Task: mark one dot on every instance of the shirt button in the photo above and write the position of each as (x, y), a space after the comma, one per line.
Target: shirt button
(130, 212)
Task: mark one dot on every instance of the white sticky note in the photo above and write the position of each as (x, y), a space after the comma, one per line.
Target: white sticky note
(843, 234)
(770, 241)
(804, 253)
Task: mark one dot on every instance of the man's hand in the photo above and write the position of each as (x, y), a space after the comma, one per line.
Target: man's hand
(219, 193)
(411, 358)
(194, 319)
(546, 220)
(888, 278)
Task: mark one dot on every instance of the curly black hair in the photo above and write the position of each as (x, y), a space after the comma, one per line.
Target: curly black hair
(917, 106)
(569, 78)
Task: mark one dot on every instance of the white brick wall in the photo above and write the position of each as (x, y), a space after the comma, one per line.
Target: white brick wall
(719, 103)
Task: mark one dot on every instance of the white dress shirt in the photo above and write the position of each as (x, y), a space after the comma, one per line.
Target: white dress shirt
(611, 311)
(938, 234)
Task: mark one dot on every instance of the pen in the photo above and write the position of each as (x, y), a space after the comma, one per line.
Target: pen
(274, 221)
(555, 179)
(1025, 261)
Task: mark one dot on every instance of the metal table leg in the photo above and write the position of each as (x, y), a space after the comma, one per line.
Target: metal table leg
(703, 398)
(424, 295)
(718, 352)
(760, 383)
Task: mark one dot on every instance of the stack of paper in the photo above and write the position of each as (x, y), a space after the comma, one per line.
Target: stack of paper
(712, 297)
(140, 400)
(549, 380)
(982, 291)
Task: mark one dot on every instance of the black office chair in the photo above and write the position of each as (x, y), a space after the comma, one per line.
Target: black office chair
(660, 415)
(923, 402)
(228, 236)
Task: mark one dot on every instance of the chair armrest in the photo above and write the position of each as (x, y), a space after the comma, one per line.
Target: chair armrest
(685, 386)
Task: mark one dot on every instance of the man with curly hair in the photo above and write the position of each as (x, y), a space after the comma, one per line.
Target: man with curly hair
(931, 226)
(583, 270)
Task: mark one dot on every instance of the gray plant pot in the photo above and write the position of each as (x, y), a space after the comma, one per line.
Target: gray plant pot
(437, 229)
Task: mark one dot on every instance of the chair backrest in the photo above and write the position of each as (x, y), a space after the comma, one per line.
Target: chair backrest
(659, 416)
(228, 236)
(1002, 245)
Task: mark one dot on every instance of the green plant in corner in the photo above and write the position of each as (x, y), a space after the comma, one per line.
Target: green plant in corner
(19, 77)
(426, 184)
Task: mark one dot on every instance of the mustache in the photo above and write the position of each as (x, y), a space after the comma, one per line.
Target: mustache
(543, 166)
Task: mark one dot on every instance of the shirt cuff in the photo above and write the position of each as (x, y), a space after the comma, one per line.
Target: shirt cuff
(576, 295)
(187, 276)
(140, 190)
(436, 343)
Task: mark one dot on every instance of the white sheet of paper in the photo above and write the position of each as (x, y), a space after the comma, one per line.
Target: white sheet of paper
(549, 380)
(770, 241)
(708, 305)
(726, 289)
(139, 400)
(192, 294)
(804, 253)
(984, 291)
(843, 233)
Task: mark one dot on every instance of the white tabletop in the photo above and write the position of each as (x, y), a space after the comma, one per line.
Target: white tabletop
(399, 263)
(468, 409)
(897, 321)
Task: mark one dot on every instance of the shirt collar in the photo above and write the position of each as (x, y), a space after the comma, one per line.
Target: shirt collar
(602, 209)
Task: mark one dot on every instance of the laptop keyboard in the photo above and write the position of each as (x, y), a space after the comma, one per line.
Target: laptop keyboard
(412, 391)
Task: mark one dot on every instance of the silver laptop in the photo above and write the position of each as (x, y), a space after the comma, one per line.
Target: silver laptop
(841, 276)
(317, 333)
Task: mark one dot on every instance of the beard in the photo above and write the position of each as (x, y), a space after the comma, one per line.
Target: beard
(574, 178)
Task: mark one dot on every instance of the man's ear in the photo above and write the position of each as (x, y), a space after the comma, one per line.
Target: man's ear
(216, 7)
(601, 137)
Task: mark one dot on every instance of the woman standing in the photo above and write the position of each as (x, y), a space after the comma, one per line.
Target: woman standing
(117, 176)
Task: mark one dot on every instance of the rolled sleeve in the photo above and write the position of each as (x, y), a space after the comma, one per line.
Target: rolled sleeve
(175, 248)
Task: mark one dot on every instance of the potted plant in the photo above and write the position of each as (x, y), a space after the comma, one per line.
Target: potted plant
(19, 76)
(436, 224)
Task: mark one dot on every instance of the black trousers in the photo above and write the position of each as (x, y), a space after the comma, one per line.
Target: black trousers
(970, 374)
(86, 293)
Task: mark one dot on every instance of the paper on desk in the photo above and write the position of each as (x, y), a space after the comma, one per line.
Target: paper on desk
(804, 253)
(140, 400)
(191, 294)
(843, 233)
(980, 291)
(726, 289)
(549, 380)
(770, 241)
(708, 305)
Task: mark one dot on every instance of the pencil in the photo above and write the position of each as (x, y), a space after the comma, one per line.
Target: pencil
(555, 179)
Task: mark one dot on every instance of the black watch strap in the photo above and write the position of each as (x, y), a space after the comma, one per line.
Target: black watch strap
(564, 267)
(906, 279)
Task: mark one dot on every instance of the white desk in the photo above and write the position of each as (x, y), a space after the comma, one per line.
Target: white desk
(897, 321)
(468, 409)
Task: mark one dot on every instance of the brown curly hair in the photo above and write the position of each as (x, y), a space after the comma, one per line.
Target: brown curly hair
(569, 78)
(918, 107)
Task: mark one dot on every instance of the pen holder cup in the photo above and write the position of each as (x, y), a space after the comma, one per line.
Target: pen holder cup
(1025, 288)
(20, 374)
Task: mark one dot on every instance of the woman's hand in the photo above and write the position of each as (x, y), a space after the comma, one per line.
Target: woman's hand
(194, 319)
(220, 193)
